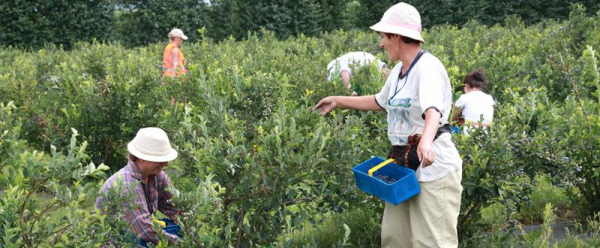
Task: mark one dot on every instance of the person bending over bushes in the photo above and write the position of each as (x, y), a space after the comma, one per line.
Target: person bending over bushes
(344, 65)
(143, 181)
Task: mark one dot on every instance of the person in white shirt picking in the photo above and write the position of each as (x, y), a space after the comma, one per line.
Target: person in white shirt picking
(345, 64)
(474, 108)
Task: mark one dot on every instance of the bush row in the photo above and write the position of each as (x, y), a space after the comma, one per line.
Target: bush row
(33, 24)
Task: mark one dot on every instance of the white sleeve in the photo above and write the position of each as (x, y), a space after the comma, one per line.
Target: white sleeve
(345, 66)
(331, 66)
(461, 101)
(381, 64)
(382, 97)
(332, 69)
(431, 89)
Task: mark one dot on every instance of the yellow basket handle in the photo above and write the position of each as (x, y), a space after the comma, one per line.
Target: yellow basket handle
(160, 222)
(382, 164)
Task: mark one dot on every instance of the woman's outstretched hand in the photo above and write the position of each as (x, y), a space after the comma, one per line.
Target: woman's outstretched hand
(326, 105)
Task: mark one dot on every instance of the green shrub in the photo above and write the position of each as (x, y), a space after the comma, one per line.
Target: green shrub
(495, 216)
(33, 24)
(364, 224)
(543, 193)
(486, 12)
(490, 175)
(145, 22)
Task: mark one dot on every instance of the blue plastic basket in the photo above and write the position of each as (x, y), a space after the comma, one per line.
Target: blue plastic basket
(170, 227)
(406, 185)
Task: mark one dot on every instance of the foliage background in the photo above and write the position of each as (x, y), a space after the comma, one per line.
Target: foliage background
(32, 24)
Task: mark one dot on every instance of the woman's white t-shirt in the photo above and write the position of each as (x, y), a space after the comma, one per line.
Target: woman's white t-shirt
(475, 104)
(406, 100)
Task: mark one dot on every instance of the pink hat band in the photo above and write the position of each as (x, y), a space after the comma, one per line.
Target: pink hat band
(404, 25)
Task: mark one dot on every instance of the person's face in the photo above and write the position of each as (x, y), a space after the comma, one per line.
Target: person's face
(178, 41)
(151, 168)
(391, 44)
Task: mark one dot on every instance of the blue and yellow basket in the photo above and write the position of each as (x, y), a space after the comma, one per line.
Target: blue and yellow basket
(405, 187)
(167, 225)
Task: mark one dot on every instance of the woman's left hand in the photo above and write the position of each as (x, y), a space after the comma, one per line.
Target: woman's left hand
(426, 153)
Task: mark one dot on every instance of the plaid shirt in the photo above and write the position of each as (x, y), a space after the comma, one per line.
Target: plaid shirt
(155, 197)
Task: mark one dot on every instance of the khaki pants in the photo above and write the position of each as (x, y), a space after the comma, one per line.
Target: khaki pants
(428, 219)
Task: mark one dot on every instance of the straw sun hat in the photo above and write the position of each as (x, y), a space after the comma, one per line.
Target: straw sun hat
(402, 19)
(152, 144)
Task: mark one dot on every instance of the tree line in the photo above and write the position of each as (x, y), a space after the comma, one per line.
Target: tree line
(33, 24)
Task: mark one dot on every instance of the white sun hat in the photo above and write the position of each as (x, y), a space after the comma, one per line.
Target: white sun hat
(177, 33)
(152, 144)
(402, 19)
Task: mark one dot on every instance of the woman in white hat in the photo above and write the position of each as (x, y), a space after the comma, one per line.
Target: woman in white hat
(417, 98)
(173, 59)
(149, 152)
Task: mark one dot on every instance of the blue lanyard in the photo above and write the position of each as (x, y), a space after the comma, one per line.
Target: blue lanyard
(396, 91)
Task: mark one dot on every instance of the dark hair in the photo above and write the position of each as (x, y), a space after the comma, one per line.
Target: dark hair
(404, 39)
(133, 158)
(476, 79)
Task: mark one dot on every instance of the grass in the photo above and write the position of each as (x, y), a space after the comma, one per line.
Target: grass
(543, 193)
(580, 236)
(364, 224)
(546, 193)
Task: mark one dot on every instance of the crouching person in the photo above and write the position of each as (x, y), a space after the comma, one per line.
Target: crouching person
(144, 183)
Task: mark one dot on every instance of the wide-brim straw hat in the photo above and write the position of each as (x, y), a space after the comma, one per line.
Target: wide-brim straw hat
(152, 144)
(402, 19)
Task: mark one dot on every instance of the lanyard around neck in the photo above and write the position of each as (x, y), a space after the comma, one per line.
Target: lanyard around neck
(396, 91)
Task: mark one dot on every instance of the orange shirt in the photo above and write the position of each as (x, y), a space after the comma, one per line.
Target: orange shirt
(168, 65)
